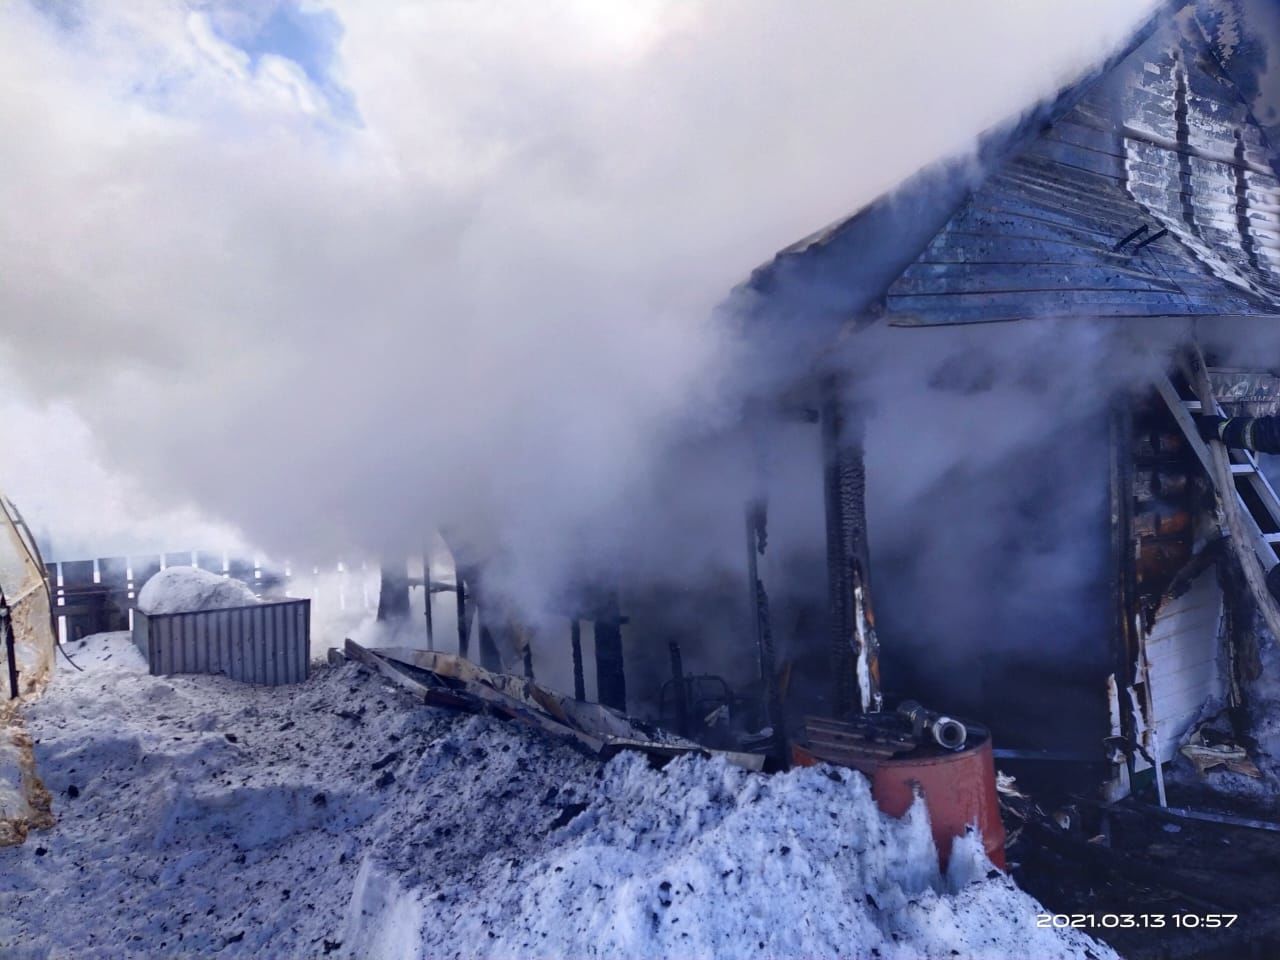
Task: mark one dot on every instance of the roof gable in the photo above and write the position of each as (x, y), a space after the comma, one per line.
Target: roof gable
(1146, 191)
(1151, 197)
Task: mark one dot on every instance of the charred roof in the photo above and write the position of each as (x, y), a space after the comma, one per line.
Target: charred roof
(1147, 189)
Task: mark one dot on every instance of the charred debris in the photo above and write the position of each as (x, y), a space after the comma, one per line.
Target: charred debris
(1138, 713)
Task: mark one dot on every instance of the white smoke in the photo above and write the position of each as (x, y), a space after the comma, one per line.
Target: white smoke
(463, 278)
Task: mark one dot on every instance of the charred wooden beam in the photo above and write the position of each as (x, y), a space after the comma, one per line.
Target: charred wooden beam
(1219, 464)
(426, 599)
(757, 537)
(11, 656)
(1124, 575)
(490, 658)
(393, 591)
(677, 680)
(575, 638)
(611, 682)
(464, 625)
(855, 660)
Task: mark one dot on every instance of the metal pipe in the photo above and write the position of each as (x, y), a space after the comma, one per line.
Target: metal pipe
(946, 732)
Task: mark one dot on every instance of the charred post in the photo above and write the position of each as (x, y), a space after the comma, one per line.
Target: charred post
(464, 627)
(11, 655)
(677, 680)
(490, 658)
(757, 537)
(1124, 587)
(611, 683)
(427, 588)
(855, 660)
(393, 592)
(575, 637)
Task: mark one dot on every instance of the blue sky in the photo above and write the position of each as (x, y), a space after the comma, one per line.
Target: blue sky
(304, 33)
(301, 31)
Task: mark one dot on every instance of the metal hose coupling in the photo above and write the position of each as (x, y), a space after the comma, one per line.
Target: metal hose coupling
(946, 732)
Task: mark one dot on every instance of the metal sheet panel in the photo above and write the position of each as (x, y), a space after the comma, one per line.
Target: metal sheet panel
(1183, 663)
(268, 643)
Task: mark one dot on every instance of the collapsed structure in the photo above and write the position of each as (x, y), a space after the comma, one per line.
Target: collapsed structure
(1145, 195)
(1142, 202)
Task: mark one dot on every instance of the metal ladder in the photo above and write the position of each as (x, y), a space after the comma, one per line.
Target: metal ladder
(1258, 501)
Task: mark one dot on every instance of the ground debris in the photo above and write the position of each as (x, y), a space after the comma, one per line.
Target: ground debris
(175, 828)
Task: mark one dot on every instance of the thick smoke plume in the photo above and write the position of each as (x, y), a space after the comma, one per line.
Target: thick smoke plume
(448, 265)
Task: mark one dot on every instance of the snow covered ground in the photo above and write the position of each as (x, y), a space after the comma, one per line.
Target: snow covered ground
(198, 816)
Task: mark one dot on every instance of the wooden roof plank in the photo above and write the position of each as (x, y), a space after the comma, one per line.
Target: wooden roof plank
(974, 277)
(1162, 143)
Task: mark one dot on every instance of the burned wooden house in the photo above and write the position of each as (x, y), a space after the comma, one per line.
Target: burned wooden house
(1144, 198)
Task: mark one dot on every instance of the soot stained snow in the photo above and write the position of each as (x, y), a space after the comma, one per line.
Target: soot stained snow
(199, 816)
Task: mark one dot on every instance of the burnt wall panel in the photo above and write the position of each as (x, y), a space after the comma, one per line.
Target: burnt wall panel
(992, 566)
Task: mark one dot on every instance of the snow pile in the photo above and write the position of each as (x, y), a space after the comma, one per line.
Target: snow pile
(182, 589)
(340, 817)
(703, 859)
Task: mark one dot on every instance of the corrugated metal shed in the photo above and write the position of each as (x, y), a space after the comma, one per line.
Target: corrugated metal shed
(267, 643)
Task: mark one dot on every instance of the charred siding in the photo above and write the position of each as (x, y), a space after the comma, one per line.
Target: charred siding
(1150, 197)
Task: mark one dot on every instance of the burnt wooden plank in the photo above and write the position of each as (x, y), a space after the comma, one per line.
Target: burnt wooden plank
(957, 246)
(1057, 187)
(1064, 181)
(1080, 298)
(1105, 230)
(945, 311)
(969, 278)
(986, 221)
(976, 249)
(1107, 209)
(1075, 157)
(1073, 129)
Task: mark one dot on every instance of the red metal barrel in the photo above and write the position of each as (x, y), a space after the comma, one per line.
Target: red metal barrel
(959, 789)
